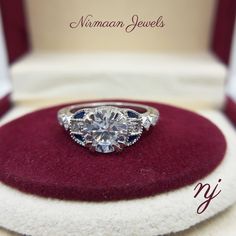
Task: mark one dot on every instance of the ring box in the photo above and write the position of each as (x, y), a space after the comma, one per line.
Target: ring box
(193, 83)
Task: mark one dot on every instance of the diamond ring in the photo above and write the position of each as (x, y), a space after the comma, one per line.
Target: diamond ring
(107, 126)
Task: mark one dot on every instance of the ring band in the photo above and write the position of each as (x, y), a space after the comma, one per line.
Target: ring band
(107, 126)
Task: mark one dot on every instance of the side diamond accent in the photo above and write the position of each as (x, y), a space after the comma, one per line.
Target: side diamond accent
(64, 121)
(148, 121)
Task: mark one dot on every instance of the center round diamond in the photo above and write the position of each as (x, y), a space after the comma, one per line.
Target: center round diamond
(106, 129)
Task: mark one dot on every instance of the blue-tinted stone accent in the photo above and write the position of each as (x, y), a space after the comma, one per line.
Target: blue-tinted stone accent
(79, 137)
(132, 138)
(79, 115)
(132, 114)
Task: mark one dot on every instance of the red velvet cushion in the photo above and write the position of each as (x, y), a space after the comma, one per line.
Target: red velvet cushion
(37, 156)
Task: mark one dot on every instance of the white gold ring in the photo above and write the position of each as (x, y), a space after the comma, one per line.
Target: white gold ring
(107, 126)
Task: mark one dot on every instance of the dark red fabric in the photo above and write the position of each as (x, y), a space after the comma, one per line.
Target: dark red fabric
(223, 29)
(15, 28)
(5, 104)
(230, 109)
(37, 156)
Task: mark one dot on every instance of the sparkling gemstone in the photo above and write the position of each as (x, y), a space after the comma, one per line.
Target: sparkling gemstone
(135, 126)
(154, 120)
(105, 129)
(75, 126)
(64, 121)
(146, 123)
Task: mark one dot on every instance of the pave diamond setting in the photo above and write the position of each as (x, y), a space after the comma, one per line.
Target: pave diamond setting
(106, 129)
